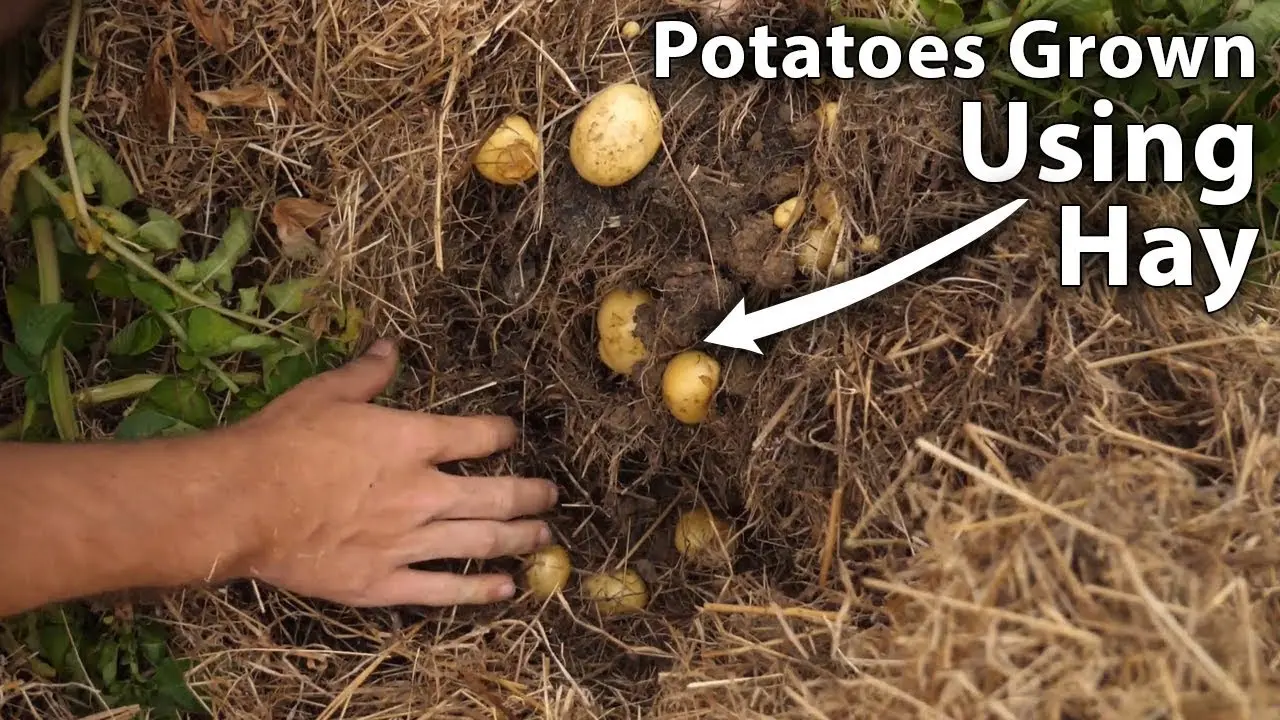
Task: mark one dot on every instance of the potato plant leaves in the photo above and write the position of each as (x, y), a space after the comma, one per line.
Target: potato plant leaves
(40, 327)
(138, 337)
(100, 173)
(217, 267)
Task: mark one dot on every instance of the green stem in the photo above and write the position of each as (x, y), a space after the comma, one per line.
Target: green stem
(64, 415)
(176, 328)
(137, 386)
(1017, 81)
(117, 246)
(64, 109)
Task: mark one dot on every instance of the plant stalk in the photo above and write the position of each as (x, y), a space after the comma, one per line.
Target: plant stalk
(64, 415)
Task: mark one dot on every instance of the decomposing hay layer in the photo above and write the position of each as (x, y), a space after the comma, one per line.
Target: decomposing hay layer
(979, 494)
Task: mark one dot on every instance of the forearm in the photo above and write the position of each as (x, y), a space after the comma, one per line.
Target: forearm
(84, 519)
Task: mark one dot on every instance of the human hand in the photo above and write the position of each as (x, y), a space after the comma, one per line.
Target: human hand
(347, 493)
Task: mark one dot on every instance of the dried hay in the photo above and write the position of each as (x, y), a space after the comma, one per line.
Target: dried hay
(976, 495)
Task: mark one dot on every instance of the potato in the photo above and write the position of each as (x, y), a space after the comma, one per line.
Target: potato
(631, 30)
(510, 154)
(688, 383)
(617, 592)
(785, 214)
(619, 347)
(869, 244)
(701, 536)
(816, 252)
(616, 135)
(824, 201)
(828, 113)
(548, 571)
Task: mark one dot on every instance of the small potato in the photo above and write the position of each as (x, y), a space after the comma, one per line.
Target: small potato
(828, 113)
(785, 214)
(631, 30)
(688, 382)
(815, 254)
(548, 571)
(701, 536)
(824, 201)
(619, 346)
(616, 135)
(510, 155)
(617, 592)
(869, 244)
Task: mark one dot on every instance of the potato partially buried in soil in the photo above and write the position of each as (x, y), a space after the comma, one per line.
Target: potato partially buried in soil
(688, 384)
(620, 345)
(616, 593)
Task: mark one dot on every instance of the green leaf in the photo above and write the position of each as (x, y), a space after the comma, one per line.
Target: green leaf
(83, 328)
(55, 645)
(36, 389)
(17, 362)
(946, 15)
(182, 399)
(18, 301)
(250, 300)
(109, 662)
(172, 686)
(112, 281)
(152, 294)
(287, 373)
(1262, 24)
(114, 221)
(138, 337)
(288, 296)
(97, 166)
(210, 334)
(40, 327)
(248, 402)
(161, 232)
(146, 423)
(187, 362)
(217, 267)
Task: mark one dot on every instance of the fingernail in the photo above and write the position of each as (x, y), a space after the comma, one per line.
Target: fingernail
(506, 589)
(553, 493)
(381, 348)
(544, 535)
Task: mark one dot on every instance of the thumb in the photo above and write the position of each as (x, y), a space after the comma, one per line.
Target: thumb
(363, 378)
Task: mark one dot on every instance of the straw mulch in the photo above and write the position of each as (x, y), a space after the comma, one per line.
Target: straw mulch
(979, 494)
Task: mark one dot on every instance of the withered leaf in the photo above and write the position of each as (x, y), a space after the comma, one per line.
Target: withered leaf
(251, 96)
(18, 151)
(157, 95)
(293, 217)
(213, 28)
(197, 121)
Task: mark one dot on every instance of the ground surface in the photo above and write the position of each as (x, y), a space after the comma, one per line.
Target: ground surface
(978, 493)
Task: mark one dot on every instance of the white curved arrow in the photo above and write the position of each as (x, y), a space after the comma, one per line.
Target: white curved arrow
(741, 329)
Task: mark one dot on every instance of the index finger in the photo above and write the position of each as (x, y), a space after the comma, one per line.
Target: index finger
(452, 438)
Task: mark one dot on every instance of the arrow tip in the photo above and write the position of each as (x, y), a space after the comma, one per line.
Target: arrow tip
(734, 331)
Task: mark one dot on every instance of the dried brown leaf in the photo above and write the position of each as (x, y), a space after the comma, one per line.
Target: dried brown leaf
(197, 121)
(293, 217)
(213, 28)
(157, 94)
(251, 96)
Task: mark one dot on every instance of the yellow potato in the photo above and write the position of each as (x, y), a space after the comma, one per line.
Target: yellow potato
(785, 214)
(688, 383)
(816, 252)
(701, 536)
(619, 346)
(827, 114)
(869, 244)
(618, 592)
(511, 153)
(548, 571)
(631, 30)
(824, 201)
(616, 135)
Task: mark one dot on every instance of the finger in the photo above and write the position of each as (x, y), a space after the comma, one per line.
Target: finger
(419, 587)
(472, 540)
(361, 379)
(490, 498)
(468, 437)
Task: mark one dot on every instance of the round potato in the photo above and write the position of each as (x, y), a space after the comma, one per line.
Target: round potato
(688, 383)
(616, 135)
(511, 153)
